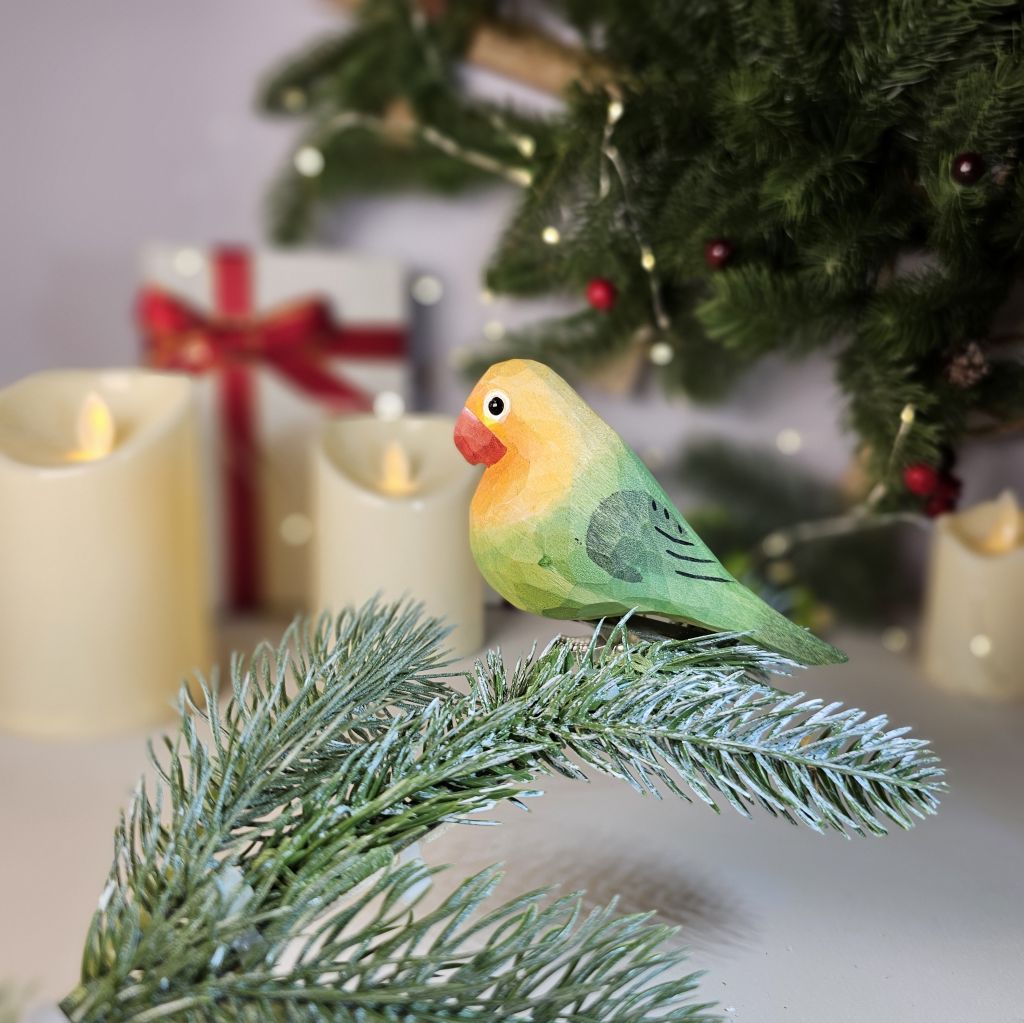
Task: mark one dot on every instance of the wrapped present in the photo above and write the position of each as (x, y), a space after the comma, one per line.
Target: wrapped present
(277, 341)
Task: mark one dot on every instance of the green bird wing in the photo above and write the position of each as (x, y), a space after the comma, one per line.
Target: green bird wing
(658, 564)
(642, 542)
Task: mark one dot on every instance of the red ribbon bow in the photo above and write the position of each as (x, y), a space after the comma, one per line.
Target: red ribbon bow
(293, 341)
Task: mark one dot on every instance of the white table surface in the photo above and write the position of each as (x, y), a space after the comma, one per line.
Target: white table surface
(926, 925)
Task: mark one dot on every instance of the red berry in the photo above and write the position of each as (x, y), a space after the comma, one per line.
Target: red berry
(921, 479)
(967, 168)
(936, 506)
(949, 487)
(717, 253)
(602, 294)
(946, 494)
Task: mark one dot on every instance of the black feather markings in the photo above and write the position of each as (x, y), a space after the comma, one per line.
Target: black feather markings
(705, 578)
(689, 557)
(674, 539)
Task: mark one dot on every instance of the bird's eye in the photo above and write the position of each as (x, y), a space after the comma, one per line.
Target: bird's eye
(497, 405)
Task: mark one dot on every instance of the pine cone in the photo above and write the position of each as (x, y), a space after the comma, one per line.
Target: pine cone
(969, 366)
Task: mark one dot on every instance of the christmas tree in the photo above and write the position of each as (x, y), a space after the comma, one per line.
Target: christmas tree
(269, 877)
(727, 180)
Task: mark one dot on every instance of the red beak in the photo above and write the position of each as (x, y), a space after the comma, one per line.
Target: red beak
(475, 442)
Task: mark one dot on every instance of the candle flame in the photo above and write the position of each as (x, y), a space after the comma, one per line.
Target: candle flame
(1007, 529)
(396, 471)
(95, 430)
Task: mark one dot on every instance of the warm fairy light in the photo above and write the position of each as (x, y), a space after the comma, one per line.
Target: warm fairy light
(980, 645)
(789, 441)
(661, 353)
(895, 639)
(907, 415)
(309, 161)
(388, 405)
(296, 529)
(1007, 530)
(521, 176)
(396, 471)
(526, 145)
(293, 98)
(615, 111)
(551, 235)
(95, 430)
(494, 330)
(187, 262)
(647, 260)
(427, 290)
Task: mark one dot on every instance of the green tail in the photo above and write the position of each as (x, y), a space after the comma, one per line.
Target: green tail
(778, 633)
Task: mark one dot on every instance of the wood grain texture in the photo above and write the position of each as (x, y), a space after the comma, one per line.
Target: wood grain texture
(567, 522)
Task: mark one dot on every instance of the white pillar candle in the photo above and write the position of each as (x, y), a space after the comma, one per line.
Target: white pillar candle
(973, 635)
(103, 602)
(391, 514)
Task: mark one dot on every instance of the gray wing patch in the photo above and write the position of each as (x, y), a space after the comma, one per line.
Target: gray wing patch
(631, 533)
(613, 536)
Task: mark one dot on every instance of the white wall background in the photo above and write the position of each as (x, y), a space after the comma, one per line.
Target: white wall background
(126, 121)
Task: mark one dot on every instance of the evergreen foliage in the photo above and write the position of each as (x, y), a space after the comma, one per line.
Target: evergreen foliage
(263, 880)
(744, 498)
(820, 138)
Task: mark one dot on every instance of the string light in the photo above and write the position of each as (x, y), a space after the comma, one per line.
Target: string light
(296, 529)
(427, 290)
(309, 161)
(551, 235)
(661, 353)
(293, 98)
(647, 260)
(388, 405)
(494, 330)
(774, 545)
(187, 262)
(526, 145)
(615, 111)
(980, 645)
(895, 639)
(789, 441)
(430, 134)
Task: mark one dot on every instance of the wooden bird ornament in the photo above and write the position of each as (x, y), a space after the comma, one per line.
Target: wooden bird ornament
(568, 523)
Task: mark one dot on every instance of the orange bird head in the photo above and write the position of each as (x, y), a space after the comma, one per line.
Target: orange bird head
(524, 408)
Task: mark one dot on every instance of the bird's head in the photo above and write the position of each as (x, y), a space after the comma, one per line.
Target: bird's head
(516, 406)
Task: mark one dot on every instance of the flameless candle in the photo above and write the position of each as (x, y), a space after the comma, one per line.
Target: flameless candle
(103, 600)
(391, 504)
(972, 640)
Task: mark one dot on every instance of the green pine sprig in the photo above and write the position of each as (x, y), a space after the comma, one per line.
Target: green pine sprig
(819, 138)
(263, 878)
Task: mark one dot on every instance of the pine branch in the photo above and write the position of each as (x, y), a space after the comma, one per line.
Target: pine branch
(268, 886)
(820, 140)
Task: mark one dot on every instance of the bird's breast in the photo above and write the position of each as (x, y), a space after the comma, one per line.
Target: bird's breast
(517, 490)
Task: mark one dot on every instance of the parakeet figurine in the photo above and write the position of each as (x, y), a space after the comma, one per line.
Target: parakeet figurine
(567, 522)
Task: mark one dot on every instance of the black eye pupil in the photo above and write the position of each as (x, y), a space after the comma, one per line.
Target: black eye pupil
(495, 406)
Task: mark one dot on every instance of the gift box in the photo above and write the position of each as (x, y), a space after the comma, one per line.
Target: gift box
(276, 340)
